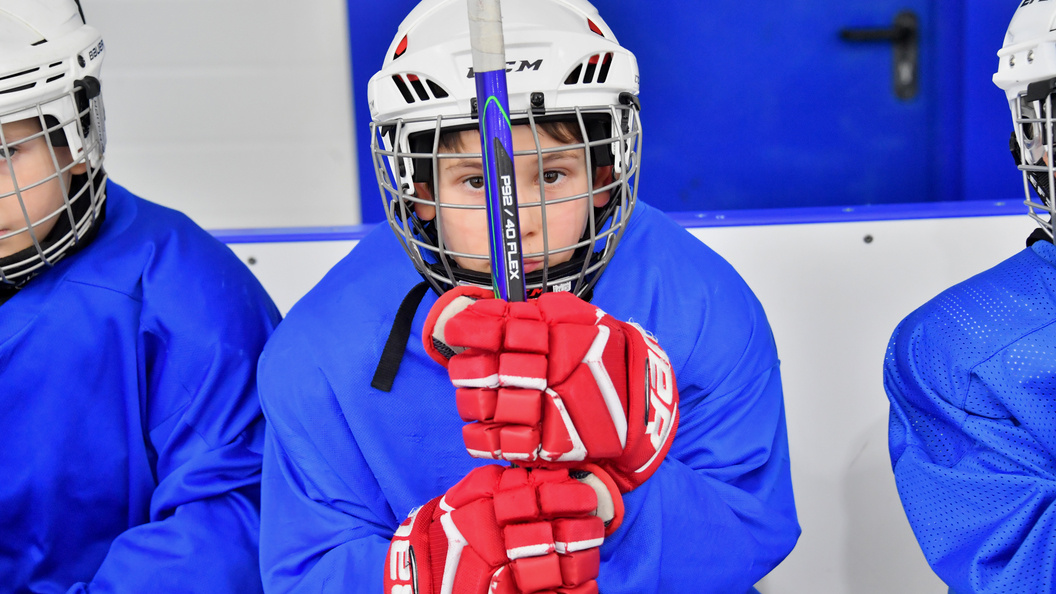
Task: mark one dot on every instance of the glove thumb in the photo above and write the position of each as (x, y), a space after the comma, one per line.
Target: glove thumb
(450, 304)
(610, 501)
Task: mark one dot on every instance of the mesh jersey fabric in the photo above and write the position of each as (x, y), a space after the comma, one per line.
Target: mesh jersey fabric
(971, 377)
(345, 463)
(130, 429)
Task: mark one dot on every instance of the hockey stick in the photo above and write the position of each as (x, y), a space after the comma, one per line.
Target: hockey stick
(496, 146)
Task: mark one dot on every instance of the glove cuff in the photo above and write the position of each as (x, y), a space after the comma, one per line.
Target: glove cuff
(652, 413)
(409, 567)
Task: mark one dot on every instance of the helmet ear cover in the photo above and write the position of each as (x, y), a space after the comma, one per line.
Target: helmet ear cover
(84, 91)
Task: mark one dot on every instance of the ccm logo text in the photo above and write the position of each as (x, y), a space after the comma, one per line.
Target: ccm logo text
(517, 66)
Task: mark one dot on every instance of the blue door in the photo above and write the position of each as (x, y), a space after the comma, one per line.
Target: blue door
(749, 105)
(772, 105)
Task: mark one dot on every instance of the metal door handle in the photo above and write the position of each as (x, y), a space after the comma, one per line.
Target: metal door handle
(905, 35)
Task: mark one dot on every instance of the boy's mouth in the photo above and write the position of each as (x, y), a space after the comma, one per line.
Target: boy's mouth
(532, 265)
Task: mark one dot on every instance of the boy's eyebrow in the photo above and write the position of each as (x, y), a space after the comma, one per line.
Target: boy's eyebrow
(468, 163)
(569, 154)
(461, 163)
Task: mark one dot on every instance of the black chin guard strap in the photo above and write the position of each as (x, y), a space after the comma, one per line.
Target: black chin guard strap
(396, 345)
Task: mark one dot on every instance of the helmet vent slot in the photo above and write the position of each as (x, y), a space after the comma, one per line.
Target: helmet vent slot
(17, 74)
(402, 86)
(418, 87)
(603, 75)
(437, 90)
(592, 66)
(588, 71)
(401, 48)
(573, 77)
(17, 89)
(415, 88)
(56, 77)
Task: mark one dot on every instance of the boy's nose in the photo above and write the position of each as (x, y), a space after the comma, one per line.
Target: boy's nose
(530, 216)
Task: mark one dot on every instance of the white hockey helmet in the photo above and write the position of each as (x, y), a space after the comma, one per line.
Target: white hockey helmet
(49, 71)
(1026, 72)
(563, 64)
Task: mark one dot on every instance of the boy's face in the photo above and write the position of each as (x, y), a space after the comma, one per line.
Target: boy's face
(29, 162)
(564, 174)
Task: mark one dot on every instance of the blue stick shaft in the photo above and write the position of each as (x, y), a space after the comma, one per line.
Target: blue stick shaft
(501, 186)
(496, 141)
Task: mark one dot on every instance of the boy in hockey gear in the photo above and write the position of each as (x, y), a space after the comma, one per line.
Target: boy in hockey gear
(971, 375)
(130, 430)
(365, 426)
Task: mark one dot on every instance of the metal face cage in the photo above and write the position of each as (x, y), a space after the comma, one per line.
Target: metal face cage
(1033, 149)
(409, 151)
(82, 197)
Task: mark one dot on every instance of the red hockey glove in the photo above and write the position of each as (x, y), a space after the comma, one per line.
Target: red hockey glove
(502, 531)
(555, 382)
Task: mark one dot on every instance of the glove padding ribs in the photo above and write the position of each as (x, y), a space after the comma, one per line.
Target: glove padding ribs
(555, 382)
(503, 531)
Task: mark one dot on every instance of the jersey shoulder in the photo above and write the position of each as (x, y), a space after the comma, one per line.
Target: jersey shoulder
(941, 346)
(345, 318)
(973, 319)
(178, 273)
(699, 307)
(656, 242)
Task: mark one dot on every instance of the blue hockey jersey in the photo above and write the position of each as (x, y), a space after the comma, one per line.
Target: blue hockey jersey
(130, 429)
(971, 377)
(345, 463)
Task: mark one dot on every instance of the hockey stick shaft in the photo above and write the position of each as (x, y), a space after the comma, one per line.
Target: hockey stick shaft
(496, 142)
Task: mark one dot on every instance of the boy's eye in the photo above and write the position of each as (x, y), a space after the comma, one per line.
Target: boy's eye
(552, 177)
(6, 152)
(476, 182)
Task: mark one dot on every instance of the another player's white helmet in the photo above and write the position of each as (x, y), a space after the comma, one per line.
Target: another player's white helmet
(49, 72)
(564, 64)
(1027, 73)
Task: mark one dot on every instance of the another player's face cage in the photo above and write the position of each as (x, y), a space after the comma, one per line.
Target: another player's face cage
(582, 261)
(46, 207)
(1033, 148)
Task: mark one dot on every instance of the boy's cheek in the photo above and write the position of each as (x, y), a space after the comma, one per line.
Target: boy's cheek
(474, 264)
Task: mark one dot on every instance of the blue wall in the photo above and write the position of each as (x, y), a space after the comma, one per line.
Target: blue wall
(990, 172)
(762, 106)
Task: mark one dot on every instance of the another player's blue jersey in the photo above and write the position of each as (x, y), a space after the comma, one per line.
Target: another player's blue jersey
(345, 463)
(130, 430)
(971, 377)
